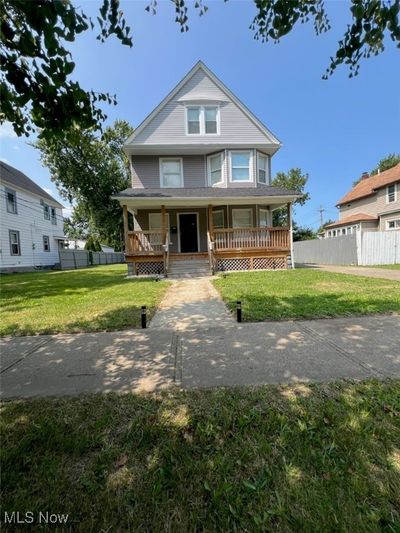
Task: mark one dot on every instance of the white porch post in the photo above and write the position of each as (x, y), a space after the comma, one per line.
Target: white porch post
(290, 224)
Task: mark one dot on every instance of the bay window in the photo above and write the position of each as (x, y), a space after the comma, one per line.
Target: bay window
(262, 168)
(214, 165)
(171, 174)
(193, 120)
(240, 166)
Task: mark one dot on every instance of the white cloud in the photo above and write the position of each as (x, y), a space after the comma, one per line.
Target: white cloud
(67, 211)
(7, 131)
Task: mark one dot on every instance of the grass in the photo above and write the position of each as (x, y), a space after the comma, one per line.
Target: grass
(389, 267)
(298, 458)
(92, 299)
(302, 293)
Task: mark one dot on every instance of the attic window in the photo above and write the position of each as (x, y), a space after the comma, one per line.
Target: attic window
(202, 120)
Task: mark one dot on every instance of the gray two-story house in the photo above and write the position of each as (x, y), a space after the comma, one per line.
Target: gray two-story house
(201, 193)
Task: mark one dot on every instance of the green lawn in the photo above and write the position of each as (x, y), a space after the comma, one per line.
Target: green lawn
(97, 298)
(300, 458)
(303, 293)
(390, 267)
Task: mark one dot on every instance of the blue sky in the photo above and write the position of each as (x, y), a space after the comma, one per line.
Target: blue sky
(334, 129)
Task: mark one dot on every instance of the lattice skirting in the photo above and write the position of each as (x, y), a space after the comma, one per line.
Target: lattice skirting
(149, 268)
(252, 263)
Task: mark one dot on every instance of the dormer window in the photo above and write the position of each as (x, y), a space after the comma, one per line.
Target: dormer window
(202, 120)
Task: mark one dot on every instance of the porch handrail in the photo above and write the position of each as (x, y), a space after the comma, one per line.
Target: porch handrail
(148, 241)
(251, 238)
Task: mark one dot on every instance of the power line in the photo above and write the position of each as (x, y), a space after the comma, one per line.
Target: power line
(21, 201)
(321, 217)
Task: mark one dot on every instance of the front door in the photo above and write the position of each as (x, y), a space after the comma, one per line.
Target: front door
(188, 236)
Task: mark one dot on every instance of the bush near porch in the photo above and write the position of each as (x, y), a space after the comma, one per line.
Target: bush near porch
(92, 299)
(285, 459)
(306, 294)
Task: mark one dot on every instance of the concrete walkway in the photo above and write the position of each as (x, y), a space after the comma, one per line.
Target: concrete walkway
(368, 272)
(225, 354)
(190, 304)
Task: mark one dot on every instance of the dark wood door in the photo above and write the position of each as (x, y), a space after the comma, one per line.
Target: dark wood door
(188, 232)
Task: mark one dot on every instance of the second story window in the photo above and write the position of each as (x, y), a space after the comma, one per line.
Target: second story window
(202, 120)
(11, 199)
(391, 193)
(214, 169)
(46, 211)
(171, 173)
(241, 166)
(53, 215)
(262, 168)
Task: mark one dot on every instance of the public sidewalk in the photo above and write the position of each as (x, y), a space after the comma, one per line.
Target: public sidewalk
(219, 354)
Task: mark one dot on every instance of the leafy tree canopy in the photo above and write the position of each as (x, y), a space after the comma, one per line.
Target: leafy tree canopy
(36, 88)
(295, 180)
(89, 173)
(387, 162)
(93, 244)
(303, 233)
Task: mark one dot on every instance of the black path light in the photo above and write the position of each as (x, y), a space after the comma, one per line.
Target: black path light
(239, 311)
(143, 316)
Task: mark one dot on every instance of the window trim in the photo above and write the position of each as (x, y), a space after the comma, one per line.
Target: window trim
(13, 192)
(222, 159)
(223, 218)
(161, 161)
(265, 156)
(394, 193)
(251, 166)
(48, 243)
(202, 119)
(46, 209)
(243, 209)
(10, 231)
(392, 220)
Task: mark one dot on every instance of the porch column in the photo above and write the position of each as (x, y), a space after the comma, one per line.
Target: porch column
(290, 224)
(164, 223)
(210, 221)
(126, 227)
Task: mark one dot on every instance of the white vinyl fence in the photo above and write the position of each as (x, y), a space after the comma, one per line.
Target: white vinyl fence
(361, 248)
(71, 259)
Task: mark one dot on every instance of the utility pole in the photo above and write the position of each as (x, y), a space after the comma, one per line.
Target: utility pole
(321, 210)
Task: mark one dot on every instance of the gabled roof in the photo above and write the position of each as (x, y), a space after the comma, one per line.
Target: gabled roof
(357, 217)
(201, 66)
(17, 178)
(369, 186)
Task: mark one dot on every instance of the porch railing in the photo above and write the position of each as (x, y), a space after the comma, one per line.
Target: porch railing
(146, 242)
(251, 239)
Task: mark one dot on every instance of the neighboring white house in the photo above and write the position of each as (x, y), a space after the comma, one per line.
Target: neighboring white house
(31, 223)
(79, 244)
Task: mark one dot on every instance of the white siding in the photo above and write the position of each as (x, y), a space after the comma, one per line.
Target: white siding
(169, 125)
(31, 224)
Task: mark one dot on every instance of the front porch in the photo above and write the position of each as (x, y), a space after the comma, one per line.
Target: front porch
(191, 234)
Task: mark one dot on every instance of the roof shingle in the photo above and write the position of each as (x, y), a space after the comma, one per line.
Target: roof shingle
(368, 186)
(357, 217)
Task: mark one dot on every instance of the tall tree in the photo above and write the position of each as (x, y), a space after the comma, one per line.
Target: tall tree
(294, 180)
(37, 90)
(89, 173)
(303, 233)
(387, 162)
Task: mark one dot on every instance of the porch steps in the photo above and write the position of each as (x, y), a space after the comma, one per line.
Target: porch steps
(188, 268)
